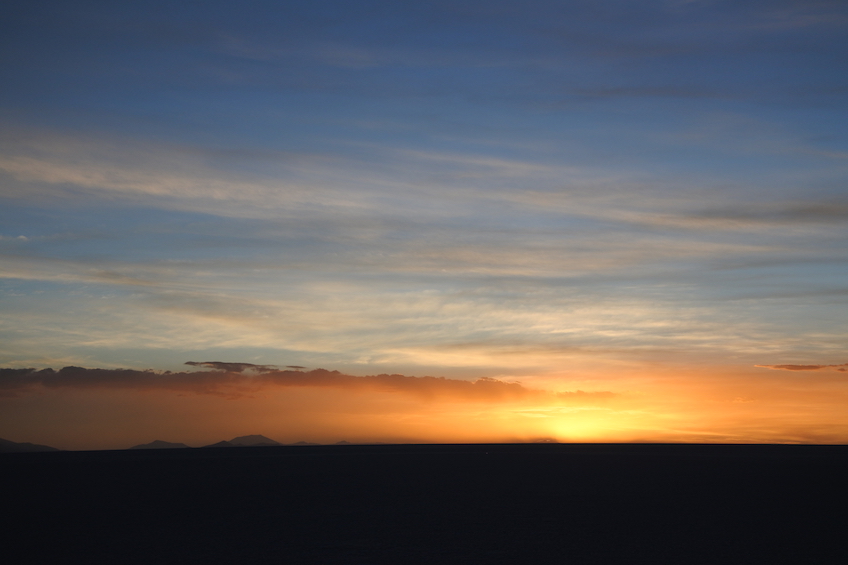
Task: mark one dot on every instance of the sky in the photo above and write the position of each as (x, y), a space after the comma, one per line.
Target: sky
(640, 202)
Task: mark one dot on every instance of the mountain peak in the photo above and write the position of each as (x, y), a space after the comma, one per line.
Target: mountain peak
(159, 444)
(7, 446)
(253, 440)
(220, 444)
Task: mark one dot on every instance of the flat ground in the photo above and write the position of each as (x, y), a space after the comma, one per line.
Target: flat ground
(468, 504)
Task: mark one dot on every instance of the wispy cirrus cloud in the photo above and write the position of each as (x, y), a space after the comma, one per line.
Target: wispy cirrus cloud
(214, 179)
(441, 187)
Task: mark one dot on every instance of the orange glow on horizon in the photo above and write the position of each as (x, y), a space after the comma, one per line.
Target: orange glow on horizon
(741, 406)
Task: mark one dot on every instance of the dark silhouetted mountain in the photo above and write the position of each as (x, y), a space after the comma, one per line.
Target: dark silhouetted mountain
(221, 444)
(343, 442)
(7, 446)
(253, 441)
(247, 441)
(159, 444)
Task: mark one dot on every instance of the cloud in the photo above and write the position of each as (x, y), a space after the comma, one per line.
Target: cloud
(803, 367)
(233, 380)
(646, 92)
(232, 367)
(360, 188)
(797, 212)
(581, 397)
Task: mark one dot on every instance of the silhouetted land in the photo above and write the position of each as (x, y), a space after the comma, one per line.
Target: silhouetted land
(7, 446)
(159, 444)
(561, 503)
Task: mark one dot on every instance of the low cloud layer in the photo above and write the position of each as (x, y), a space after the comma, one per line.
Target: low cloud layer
(840, 367)
(232, 367)
(235, 380)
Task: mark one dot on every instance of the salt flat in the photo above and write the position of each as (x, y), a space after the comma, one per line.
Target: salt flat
(569, 503)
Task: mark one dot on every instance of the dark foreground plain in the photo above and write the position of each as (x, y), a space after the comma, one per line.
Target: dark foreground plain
(469, 504)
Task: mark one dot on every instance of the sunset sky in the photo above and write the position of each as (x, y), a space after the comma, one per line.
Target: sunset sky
(641, 200)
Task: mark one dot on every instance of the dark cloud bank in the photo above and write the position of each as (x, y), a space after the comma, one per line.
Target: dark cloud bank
(235, 380)
(234, 367)
(840, 367)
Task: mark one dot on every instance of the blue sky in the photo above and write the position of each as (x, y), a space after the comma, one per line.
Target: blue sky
(536, 189)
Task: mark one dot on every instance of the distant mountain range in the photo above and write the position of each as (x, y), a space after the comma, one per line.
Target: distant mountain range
(7, 446)
(241, 441)
(159, 444)
(246, 441)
